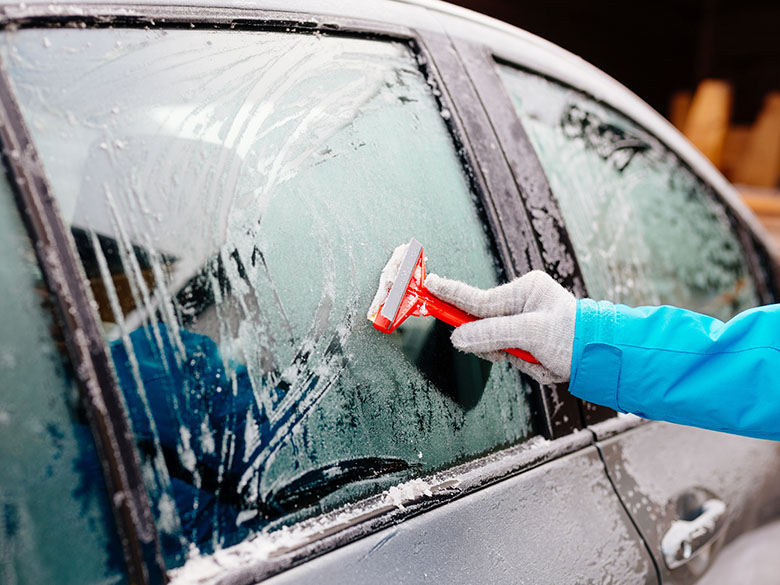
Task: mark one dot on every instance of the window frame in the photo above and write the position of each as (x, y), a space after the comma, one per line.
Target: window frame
(516, 248)
(98, 390)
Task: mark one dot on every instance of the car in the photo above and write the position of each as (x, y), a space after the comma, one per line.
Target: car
(198, 200)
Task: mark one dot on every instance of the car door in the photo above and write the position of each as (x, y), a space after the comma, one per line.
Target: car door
(645, 228)
(230, 184)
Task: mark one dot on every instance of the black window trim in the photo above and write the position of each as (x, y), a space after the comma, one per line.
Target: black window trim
(558, 412)
(495, 189)
(530, 190)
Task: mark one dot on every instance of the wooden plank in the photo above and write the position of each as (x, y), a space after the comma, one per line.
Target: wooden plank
(761, 201)
(765, 203)
(708, 119)
(760, 161)
(679, 106)
(733, 148)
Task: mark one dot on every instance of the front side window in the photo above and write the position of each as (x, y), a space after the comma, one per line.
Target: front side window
(233, 196)
(645, 229)
(54, 505)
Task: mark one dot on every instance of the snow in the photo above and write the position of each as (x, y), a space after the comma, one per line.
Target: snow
(201, 570)
(207, 569)
(167, 520)
(408, 492)
(386, 280)
(186, 453)
(271, 320)
(683, 534)
(251, 437)
(207, 442)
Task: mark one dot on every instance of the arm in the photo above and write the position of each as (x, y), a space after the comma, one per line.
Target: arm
(661, 363)
(671, 364)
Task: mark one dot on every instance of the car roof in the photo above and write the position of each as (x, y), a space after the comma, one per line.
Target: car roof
(502, 39)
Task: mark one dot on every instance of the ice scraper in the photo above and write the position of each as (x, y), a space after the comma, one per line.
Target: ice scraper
(402, 294)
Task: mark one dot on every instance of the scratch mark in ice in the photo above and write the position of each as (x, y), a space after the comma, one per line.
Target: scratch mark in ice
(379, 544)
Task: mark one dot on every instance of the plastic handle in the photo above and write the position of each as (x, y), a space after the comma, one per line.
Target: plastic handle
(452, 315)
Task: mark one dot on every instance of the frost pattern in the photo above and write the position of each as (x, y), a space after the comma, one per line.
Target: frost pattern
(233, 197)
(645, 229)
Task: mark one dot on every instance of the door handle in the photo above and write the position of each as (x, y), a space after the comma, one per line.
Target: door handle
(685, 539)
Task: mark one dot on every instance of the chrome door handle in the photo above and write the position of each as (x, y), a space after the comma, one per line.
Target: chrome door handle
(685, 539)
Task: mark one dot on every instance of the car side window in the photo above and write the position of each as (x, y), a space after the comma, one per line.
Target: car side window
(645, 229)
(233, 196)
(53, 501)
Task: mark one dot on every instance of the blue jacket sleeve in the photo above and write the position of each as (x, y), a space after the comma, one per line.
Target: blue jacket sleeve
(671, 364)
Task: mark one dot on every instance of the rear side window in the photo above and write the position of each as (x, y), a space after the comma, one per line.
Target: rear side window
(233, 197)
(53, 502)
(645, 229)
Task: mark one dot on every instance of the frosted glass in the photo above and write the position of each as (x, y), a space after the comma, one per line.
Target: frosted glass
(645, 229)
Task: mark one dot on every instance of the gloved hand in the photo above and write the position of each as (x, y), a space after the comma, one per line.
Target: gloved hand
(533, 312)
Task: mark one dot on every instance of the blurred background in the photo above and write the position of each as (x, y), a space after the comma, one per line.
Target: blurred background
(712, 67)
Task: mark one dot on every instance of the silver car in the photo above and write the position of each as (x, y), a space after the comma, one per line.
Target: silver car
(197, 203)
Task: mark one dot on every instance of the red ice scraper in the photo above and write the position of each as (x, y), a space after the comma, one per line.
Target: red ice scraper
(402, 294)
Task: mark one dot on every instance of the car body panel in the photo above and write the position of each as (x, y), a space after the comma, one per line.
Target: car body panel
(655, 466)
(553, 524)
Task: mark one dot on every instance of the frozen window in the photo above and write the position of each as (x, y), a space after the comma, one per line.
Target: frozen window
(645, 229)
(53, 502)
(233, 197)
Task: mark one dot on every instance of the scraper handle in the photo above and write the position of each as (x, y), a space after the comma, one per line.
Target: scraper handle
(452, 315)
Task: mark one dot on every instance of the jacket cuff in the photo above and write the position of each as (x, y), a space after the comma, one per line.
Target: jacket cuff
(596, 361)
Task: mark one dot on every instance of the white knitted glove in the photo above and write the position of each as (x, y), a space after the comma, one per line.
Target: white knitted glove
(533, 312)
